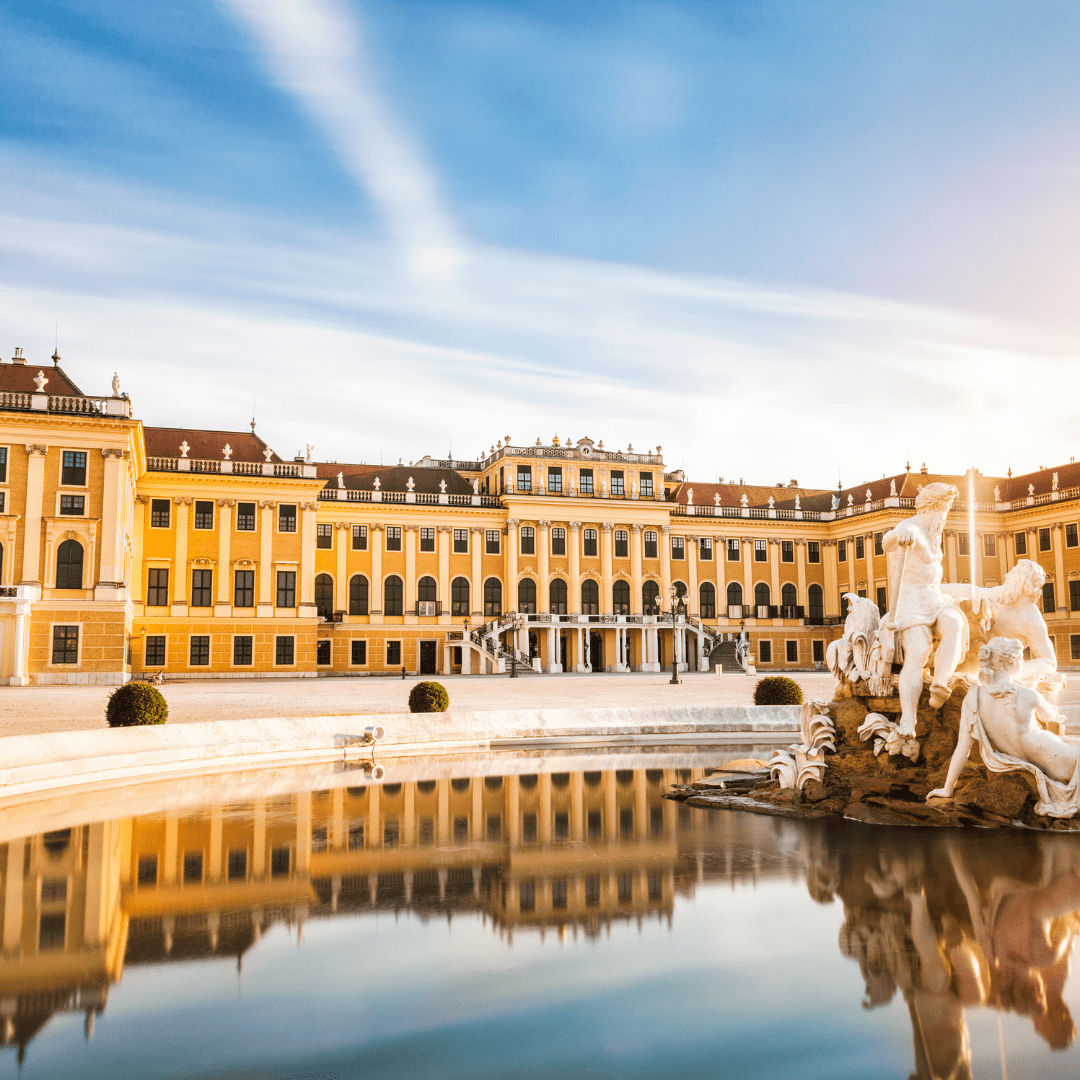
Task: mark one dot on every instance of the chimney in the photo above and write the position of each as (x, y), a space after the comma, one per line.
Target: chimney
(18, 358)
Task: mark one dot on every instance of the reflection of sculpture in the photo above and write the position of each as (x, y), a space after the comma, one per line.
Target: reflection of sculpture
(742, 648)
(920, 610)
(1006, 720)
(847, 656)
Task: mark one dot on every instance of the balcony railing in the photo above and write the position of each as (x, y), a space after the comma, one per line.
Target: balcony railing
(276, 469)
(70, 405)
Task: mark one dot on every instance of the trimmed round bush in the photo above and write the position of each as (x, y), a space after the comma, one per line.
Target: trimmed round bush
(777, 690)
(135, 704)
(429, 697)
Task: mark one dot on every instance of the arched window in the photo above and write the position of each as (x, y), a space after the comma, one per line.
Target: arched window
(459, 596)
(426, 590)
(789, 596)
(680, 589)
(358, 595)
(69, 560)
(734, 594)
(527, 596)
(324, 595)
(557, 596)
(707, 601)
(620, 595)
(590, 597)
(650, 593)
(761, 594)
(492, 597)
(815, 603)
(393, 596)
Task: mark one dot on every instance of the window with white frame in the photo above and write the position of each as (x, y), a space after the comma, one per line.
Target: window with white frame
(622, 544)
(461, 541)
(528, 540)
(393, 537)
(491, 541)
(761, 551)
(705, 548)
(558, 541)
(427, 539)
(678, 547)
(588, 543)
(359, 537)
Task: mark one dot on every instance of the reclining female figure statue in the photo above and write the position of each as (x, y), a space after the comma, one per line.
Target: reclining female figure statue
(1004, 717)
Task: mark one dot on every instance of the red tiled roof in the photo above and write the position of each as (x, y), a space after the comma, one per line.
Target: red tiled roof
(19, 379)
(165, 442)
(394, 478)
(731, 494)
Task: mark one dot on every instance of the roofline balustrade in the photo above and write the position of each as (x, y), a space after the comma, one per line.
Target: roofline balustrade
(293, 470)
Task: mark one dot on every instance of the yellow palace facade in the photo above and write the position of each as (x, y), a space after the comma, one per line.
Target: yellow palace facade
(127, 550)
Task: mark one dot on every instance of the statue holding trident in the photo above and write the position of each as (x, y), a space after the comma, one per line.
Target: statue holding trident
(920, 614)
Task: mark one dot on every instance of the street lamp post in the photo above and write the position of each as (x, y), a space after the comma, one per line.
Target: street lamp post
(678, 607)
(519, 622)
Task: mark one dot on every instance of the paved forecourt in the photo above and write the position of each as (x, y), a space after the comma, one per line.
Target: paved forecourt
(26, 710)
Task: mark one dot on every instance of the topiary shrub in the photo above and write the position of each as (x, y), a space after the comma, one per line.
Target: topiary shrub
(777, 690)
(135, 704)
(429, 697)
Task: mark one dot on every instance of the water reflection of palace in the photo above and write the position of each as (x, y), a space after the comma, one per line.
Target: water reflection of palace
(563, 852)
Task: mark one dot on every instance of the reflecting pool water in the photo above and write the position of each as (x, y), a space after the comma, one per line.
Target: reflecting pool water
(521, 916)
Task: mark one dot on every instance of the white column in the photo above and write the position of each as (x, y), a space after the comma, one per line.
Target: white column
(307, 607)
(444, 537)
(113, 524)
(35, 488)
(223, 606)
(476, 540)
(180, 567)
(267, 582)
(635, 569)
(606, 600)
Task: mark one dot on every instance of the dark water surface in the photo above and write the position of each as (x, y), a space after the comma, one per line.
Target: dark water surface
(523, 922)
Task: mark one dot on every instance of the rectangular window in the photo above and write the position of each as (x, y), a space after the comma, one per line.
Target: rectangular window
(202, 587)
(791, 651)
(558, 541)
(147, 871)
(52, 928)
(3, 464)
(427, 539)
(65, 645)
(1074, 646)
(241, 650)
(281, 857)
(286, 588)
(393, 653)
(819, 651)
(200, 650)
(160, 513)
(787, 550)
(841, 551)
(1074, 595)
(618, 483)
(491, 541)
(678, 547)
(1044, 540)
(528, 540)
(733, 552)
(650, 544)
(589, 543)
(284, 650)
(963, 544)
(622, 544)
(359, 538)
(765, 651)
(72, 505)
(646, 485)
(155, 651)
(878, 549)
(157, 588)
(813, 551)
(586, 477)
(393, 537)
(990, 545)
(245, 517)
(359, 652)
(3, 501)
(193, 867)
(324, 536)
(524, 479)
(1048, 598)
(244, 588)
(236, 867)
(1070, 535)
(74, 468)
(554, 483)
(323, 652)
(461, 541)
(204, 514)
(286, 518)
(705, 548)
(761, 551)
(882, 600)
(860, 551)
(1021, 543)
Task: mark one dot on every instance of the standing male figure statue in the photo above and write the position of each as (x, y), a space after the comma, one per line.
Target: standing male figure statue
(920, 611)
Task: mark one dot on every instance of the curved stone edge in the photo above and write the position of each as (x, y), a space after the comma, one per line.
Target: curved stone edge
(42, 762)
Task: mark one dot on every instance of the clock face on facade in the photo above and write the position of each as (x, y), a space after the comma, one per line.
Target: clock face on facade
(586, 450)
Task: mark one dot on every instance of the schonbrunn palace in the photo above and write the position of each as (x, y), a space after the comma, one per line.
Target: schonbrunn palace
(127, 550)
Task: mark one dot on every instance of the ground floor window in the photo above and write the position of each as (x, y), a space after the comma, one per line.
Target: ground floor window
(359, 652)
(155, 651)
(792, 650)
(284, 650)
(65, 646)
(819, 652)
(765, 652)
(1074, 645)
(393, 653)
(241, 650)
(200, 649)
(322, 652)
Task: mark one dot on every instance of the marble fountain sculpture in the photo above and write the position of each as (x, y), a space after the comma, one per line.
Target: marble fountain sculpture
(936, 718)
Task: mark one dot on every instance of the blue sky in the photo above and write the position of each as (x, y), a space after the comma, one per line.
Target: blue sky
(779, 239)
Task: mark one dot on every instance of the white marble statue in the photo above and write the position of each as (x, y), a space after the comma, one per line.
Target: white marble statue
(340, 479)
(307, 456)
(1009, 723)
(115, 384)
(442, 487)
(1054, 482)
(850, 499)
(268, 453)
(39, 381)
(744, 500)
(475, 486)
(835, 503)
(920, 611)
(226, 452)
(410, 484)
(716, 499)
(798, 504)
(689, 496)
(997, 494)
(772, 502)
(848, 656)
(892, 489)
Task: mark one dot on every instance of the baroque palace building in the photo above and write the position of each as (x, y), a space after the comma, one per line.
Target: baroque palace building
(127, 550)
